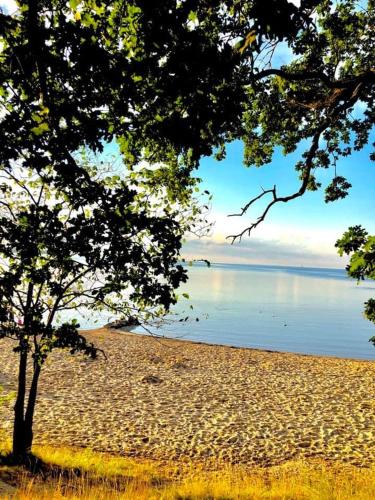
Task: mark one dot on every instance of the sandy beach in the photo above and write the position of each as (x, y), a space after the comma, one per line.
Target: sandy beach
(182, 400)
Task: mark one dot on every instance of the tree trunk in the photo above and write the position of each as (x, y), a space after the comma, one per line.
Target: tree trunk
(19, 449)
(29, 415)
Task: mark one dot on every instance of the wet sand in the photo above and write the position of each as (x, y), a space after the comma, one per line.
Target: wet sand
(170, 399)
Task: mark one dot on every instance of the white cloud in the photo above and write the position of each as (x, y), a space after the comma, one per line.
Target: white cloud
(268, 244)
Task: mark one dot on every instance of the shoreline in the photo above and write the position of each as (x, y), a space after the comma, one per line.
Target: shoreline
(182, 400)
(230, 346)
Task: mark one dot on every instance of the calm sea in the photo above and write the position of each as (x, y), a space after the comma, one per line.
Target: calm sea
(296, 309)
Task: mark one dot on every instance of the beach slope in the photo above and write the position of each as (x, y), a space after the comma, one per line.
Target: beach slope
(170, 399)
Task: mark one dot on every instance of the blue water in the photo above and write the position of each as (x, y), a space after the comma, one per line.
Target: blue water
(304, 310)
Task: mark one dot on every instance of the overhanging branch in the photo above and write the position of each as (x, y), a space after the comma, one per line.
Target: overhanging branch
(253, 200)
(334, 110)
(309, 163)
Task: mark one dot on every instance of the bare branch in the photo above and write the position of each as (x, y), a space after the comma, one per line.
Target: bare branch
(252, 201)
(277, 199)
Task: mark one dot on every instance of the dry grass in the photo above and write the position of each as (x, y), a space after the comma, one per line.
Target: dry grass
(90, 475)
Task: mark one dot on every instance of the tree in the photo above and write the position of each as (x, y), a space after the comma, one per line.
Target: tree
(357, 243)
(168, 82)
(163, 79)
(78, 75)
(117, 253)
(171, 81)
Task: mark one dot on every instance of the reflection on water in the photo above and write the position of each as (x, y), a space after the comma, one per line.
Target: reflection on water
(313, 311)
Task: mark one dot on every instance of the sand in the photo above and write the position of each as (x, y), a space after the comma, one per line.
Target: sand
(172, 399)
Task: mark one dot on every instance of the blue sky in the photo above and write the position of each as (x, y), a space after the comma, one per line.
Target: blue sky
(301, 232)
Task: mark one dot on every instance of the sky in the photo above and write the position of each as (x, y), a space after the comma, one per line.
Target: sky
(8, 5)
(299, 233)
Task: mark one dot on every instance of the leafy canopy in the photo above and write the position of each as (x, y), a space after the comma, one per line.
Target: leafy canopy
(171, 81)
(357, 243)
(118, 253)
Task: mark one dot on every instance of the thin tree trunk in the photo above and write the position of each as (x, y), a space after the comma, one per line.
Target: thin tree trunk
(29, 415)
(19, 449)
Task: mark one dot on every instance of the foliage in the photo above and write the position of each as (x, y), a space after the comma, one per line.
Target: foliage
(161, 78)
(172, 81)
(83, 72)
(319, 104)
(74, 76)
(118, 253)
(357, 243)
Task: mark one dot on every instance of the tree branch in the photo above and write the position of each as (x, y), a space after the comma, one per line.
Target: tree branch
(355, 85)
(253, 200)
(277, 199)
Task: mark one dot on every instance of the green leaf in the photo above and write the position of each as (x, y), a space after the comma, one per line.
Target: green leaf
(192, 16)
(40, 129)
(74, 4)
